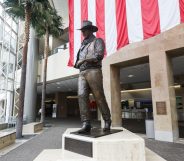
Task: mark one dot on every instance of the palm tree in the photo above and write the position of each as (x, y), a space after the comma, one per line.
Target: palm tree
(26, 10)
(49, 24)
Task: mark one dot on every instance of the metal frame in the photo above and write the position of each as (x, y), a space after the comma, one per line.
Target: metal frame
(7, 64)
(17, 74)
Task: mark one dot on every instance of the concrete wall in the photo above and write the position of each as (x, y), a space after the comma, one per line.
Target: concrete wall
(158, 51)
(57, 66)
(132, 95)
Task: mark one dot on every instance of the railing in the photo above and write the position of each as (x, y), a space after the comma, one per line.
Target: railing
(12, 121)
(56, 50)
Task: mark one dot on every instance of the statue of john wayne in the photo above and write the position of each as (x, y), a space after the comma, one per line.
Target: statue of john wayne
(89, 62)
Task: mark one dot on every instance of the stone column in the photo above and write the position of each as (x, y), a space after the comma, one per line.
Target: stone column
(111, 83)
(99, 115)
(31, 78)
(163, 97)
(61, 101)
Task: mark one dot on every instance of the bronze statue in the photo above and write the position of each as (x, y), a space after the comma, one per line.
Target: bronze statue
(89, 62)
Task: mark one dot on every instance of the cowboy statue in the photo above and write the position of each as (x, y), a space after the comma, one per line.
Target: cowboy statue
(89, 62)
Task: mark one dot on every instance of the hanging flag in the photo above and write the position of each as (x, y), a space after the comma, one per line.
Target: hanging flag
(121, 22)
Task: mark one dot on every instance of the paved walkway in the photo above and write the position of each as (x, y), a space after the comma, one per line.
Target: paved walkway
(51, 138)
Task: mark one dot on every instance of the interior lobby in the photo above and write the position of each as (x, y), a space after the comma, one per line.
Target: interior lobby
(143, 84)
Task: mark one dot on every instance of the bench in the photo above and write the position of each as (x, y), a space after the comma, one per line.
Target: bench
(32, 128)
(3, 126)
(7, 138)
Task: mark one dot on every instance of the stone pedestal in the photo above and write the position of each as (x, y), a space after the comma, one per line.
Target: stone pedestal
(120, 146)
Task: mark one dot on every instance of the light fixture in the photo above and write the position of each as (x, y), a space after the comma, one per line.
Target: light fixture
(130, 76)
(136, 90)
(177, 86)
(58, 87)
(145, 89)
(58, 83)
(70, 97)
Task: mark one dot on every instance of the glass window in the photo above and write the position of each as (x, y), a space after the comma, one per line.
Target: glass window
(6, 38)
(5, 55)
(1, 10)
(7, 28)
(14, 35)
(14, 26)
(10, 85)
(13, 44)
(1, 30)
(11, 70)
(8, 19)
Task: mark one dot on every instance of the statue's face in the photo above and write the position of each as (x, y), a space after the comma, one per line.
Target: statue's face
(86, 33)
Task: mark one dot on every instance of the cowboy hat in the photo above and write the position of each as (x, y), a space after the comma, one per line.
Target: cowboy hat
(88, 25)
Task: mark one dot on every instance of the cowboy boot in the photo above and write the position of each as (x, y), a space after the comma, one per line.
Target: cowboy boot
(107, 126)
(86, 127)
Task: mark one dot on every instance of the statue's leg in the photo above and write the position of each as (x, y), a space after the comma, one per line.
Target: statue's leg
(83, 94)
(95, 81)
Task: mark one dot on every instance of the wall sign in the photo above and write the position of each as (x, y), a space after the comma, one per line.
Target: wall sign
(161, 108)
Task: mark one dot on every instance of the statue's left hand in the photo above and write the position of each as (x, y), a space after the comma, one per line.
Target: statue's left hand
(80, 62)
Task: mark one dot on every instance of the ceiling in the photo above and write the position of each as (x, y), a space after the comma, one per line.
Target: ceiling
(62, 8)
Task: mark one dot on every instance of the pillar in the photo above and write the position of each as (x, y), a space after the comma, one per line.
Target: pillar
(182, 95)
(111, 84)
(163, 97)
(61, 101)
(99, 115)
(31, 78)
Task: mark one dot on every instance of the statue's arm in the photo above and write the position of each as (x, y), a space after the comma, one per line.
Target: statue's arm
(78, 62)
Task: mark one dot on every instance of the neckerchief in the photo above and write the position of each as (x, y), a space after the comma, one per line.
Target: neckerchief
(87, 41)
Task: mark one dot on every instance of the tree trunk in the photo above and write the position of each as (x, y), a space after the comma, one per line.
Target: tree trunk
(46, 51)
(19, 120)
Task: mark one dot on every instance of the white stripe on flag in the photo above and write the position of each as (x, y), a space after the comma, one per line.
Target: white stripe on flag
(169, 14)
(92, 12)
(110, 27)
(134, 20)
(77, 25)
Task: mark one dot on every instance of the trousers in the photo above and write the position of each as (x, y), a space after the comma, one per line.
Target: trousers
(92, 80)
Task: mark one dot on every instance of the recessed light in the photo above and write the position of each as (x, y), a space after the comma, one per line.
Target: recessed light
(58, 87)
(130, 76)
(58, 83)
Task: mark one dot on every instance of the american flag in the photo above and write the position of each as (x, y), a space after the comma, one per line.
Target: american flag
(121, 22)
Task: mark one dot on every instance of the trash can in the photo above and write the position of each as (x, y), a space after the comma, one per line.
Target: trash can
(150, 132)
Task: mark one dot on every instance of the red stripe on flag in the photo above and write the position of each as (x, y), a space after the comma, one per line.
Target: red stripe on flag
(150, 18)
(71, 32)
(100, 20)
(121, 20)
(182, 10)
(84, 12)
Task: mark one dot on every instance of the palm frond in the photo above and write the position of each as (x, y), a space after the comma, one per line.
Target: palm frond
(14, 8)
(49, 20)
